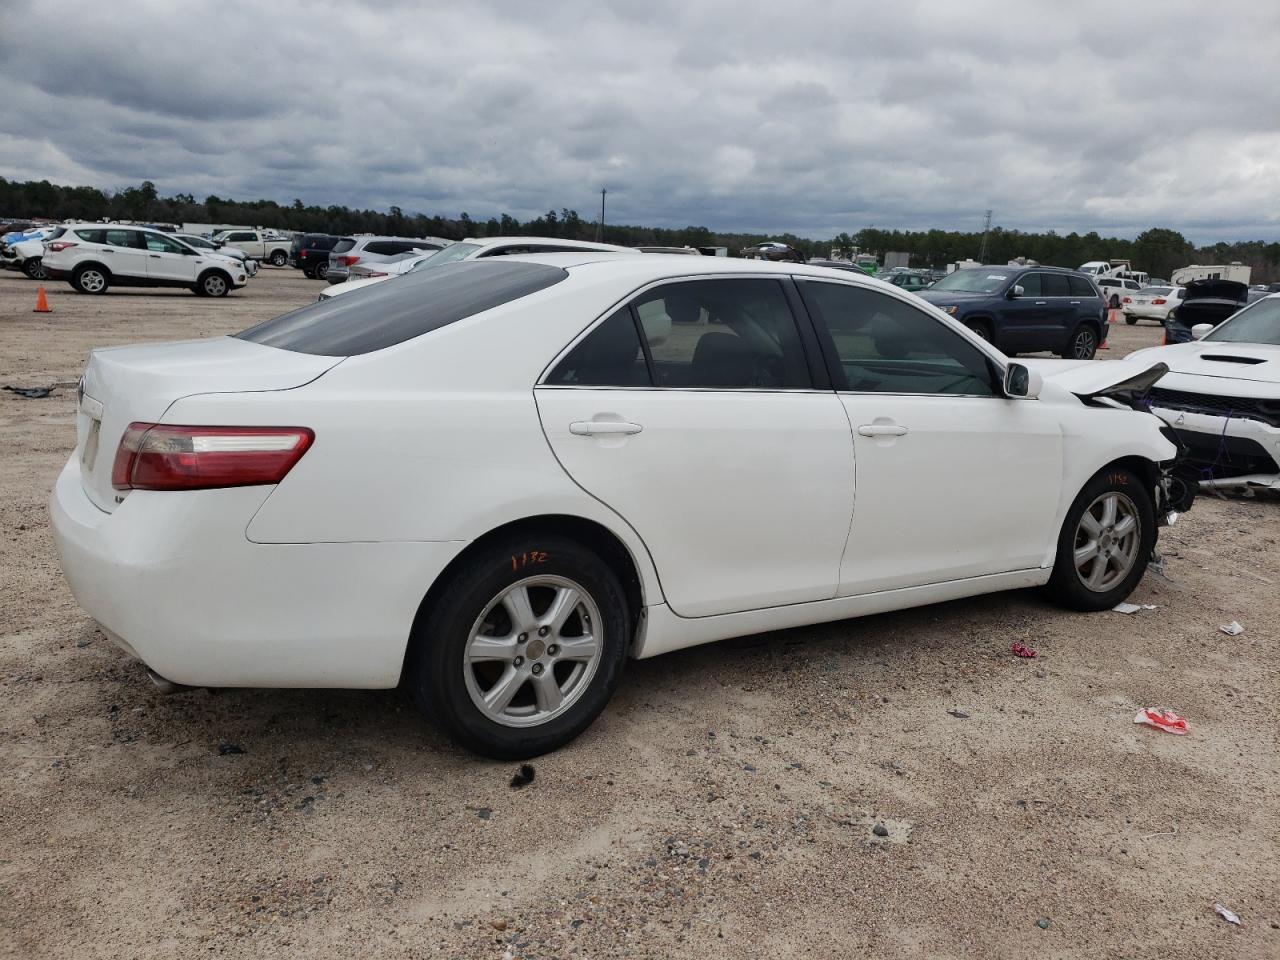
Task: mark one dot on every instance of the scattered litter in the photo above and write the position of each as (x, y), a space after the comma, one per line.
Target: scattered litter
(1227, 915)
(31, 393)
(1133, 607)
(880, 830)
(1165, 720)
(1019, 650)
(484, 813)
(226, 747)
(959, 714)
(523, 777)
(1232, 629)
(1043, 923)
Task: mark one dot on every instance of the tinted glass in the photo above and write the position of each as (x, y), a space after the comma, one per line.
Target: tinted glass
(92, 236)
(343, 245)
(122, 238)
(239, 237)
(1030, 283)
(977, 280)
(609, 356)
(728, 334)
(1054, 285)
(390, 313)
(1080, 287)
(384, 247)
(887, 346)
(451, 253)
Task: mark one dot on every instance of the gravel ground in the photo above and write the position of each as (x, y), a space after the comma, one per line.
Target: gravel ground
(897, 786)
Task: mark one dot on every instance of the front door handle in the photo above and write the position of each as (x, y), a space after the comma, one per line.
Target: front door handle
(155, 256)
(882, 430)
(595, 428)
(1040, 303)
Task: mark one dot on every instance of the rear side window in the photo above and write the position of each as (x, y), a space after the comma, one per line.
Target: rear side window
(390, 313)
(1054, 285)
(343, 245)
(92, 236)
(609, 356)
(1080, 287)
(383, 247)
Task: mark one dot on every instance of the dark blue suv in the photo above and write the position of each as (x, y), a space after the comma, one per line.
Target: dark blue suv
(1025, 309)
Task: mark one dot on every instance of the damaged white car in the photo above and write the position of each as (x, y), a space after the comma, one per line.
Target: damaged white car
(1222, 397)
(496, 480)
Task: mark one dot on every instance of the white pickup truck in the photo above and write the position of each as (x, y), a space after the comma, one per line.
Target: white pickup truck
(257, 244)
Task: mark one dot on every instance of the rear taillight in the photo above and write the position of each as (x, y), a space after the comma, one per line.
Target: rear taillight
(302, 254)
(1127, 300)
(1158, 301)
(164, 457)
(59, 245)
(348, 261)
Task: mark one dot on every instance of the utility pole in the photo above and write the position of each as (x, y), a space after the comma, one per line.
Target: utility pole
(986, 229)
(600, 225)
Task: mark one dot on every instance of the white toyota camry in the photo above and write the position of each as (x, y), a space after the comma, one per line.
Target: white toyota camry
(495, 480)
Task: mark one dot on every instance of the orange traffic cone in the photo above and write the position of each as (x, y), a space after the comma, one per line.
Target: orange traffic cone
(42, 303)
(1106, 328)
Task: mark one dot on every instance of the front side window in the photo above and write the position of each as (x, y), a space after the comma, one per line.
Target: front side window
(887, 346)
(733, 334)
(1030, 283)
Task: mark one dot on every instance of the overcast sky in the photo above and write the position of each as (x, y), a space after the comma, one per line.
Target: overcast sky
(808, 117)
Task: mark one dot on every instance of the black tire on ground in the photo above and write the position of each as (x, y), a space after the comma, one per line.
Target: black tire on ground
(90, 278)
(1082, 345)
(33, 267)
(1130, 319)
(278, 258)
(1067, 585)
(309, 273)
(212, 283)
(321, 272)
(981, 328)
(436, 669)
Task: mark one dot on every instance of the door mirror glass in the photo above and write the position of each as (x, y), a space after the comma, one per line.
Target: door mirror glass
(1021, 382)
(1201, 330)
(1016, 291)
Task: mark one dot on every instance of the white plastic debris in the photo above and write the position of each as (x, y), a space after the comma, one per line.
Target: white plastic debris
(1232, 629)
(1227, 915)
(1133, 607)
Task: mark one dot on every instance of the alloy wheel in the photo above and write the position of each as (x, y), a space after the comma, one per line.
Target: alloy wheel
(1108, 538)
(92, 281)
(533, 651)
(215, 286)
(1085, 344)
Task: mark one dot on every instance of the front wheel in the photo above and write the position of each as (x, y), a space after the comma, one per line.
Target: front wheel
(213, 284)
(33, 267)
(1083, 344)
(1105, 542)
(278, 258)
(981, 329)
(522, 649)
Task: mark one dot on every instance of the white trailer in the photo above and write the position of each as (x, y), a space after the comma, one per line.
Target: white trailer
(1235, 270)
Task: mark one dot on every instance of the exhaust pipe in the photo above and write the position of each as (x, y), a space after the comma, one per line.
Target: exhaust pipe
(166, 687)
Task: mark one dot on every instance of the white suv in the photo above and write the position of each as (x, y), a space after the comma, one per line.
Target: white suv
(95, 256)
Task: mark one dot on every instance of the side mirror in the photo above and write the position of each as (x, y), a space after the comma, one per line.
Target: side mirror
(1021, 382)
(1201, 330)
(1016, 291)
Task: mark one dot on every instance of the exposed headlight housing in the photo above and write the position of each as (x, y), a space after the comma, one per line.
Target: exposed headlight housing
(950, 311)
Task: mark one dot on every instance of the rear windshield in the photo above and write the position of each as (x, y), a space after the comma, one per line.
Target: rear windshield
(1156, 291)
(343, 245)
(390, 313)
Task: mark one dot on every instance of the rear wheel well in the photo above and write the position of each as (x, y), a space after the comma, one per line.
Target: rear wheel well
(91, 264)
(594, 536)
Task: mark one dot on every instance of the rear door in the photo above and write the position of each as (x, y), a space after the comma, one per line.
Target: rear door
(125, 253)
(954, 480)
(694, 413)
(1061, 311)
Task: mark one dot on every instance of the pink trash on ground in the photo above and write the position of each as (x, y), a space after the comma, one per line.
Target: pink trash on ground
(1019, 650)
(1165, 720)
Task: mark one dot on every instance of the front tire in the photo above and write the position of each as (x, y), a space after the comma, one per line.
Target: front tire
(278, 258)
(522, 649)
(33, 267)
(213, 284)
(1105, 542)
(90, 279)
(1130, 319)
(982, 329)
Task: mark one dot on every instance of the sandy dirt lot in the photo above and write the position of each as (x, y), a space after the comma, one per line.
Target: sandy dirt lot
(723, 806)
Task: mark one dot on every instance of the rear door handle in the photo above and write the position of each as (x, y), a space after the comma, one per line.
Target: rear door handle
(1039, 303)
(882, 430)
(155, 256)
(595, 428)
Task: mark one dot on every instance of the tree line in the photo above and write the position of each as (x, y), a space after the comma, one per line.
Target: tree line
(1159, 251)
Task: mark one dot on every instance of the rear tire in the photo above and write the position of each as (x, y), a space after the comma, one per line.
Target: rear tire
(321, 272)
(466, 650)
(90, 279)
(1102, 557)
(33, 267)
(1083, 344)
(1130, 320)
(278, 258)
(308, 273)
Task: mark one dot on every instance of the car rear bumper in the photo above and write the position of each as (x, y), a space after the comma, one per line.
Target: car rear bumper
(1145, 312)
(53, 273)
(338, 272)
(173, 579)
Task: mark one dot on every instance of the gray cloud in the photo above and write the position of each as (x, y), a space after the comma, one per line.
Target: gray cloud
(802, 116)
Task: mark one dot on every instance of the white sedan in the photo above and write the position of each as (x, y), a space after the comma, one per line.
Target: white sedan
(469, 249)
(495, 480)
(1222, 396)
(1151, 303)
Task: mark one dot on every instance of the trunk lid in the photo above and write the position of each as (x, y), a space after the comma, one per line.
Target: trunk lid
(126, 384)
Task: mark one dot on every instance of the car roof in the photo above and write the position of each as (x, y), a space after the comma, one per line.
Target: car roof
(584, 244)
(660, 266)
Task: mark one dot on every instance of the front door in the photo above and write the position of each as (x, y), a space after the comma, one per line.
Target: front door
(954, 480)
(168, 262)
(692, 413)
